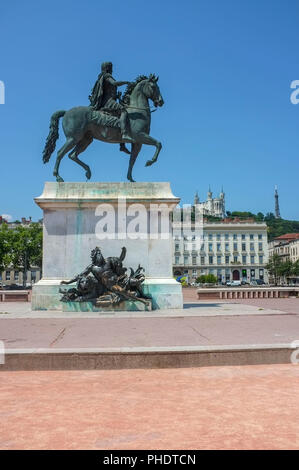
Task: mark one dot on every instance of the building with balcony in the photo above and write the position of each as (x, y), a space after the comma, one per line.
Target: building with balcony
(231, 250)
(285, 246)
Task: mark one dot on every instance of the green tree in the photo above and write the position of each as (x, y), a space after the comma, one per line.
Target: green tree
(285, 269)
(5, 247)
(211, 279)
(207, 279)
(274, 266)
(295, 268)
(26, 248)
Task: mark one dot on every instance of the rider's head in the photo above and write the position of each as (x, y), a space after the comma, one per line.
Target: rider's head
(107, 67)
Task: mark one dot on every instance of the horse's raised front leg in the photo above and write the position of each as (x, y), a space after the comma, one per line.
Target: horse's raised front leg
(70, 143)
(80, 147)
(144, 138)
(136, 147)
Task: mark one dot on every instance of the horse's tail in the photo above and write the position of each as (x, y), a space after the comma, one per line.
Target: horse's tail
(53, 135)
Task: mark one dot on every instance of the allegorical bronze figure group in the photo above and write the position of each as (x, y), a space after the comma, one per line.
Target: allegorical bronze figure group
(110, 117)
(105, 282)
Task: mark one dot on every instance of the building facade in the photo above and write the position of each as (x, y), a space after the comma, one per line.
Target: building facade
(13, 276)
(230, 249)
(285, 246)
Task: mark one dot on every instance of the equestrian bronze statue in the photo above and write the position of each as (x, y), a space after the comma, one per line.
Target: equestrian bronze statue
(109, 118)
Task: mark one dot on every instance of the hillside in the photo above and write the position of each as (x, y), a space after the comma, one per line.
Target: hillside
(276, 227)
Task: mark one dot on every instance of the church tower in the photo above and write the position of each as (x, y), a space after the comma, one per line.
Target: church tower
(196, 198)
(277, 211)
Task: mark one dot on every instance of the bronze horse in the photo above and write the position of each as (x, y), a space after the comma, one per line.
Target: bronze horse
(83, 124)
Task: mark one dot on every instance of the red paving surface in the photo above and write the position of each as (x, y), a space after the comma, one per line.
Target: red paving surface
(241, 407)
(148, 332)
(290, 305)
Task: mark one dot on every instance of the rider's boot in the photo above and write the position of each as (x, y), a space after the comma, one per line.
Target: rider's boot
(124, 127)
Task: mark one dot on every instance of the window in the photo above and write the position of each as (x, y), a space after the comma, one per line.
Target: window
(210, 246)
(218, 259)
(16, 275)
(251, 246)
(235, 246)
(226, 236)
(235, 236)
(243, 236)
(251, 236)
(243, 246)
(261, 259)
(210, 259)
(193, 246)
(218, 246)
(177, 247)
(185, 247)
(218, 236)
(202, 260)
(227, 259)
(7, 275)
(260, 236)
(235, 259)
(194, 260)
(226, 246)
(260, 246)
(186, 258)
(210, 236)
(244, 259)
(252, 259)
(177, 259)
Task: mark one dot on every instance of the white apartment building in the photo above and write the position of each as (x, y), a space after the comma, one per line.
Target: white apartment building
(294, 250)
(231, 250)
(286, 246)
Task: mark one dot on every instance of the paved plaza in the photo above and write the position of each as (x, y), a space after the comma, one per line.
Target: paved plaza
(227, 407)
(240, 407)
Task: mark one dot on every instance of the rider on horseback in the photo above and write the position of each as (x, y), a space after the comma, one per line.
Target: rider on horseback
(104, 97)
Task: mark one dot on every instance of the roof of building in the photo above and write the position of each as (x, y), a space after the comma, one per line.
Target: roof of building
(288, 236)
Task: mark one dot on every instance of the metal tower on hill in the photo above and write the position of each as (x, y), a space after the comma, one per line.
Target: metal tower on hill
(277, 211)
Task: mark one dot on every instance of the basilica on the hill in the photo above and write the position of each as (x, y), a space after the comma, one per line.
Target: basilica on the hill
(212, 206)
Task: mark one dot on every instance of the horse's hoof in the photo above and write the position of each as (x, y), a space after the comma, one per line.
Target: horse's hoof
(59, 179)
(149, 163)
(88, 174)
(131, 180)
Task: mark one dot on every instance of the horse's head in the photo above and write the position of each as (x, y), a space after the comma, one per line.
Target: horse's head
(152, 90)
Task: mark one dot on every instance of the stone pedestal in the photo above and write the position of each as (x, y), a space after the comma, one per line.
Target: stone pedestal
(80, 216)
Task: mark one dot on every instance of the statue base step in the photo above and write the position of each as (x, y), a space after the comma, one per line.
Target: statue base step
(165, 293)
(125, 306)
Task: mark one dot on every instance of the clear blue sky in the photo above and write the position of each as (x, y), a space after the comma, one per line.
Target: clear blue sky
(225, 70)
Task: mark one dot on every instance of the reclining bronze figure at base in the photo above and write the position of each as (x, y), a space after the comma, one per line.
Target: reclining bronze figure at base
(105, 282)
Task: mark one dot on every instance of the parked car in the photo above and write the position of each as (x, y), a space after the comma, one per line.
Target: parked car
(257, 282)
(235, 283)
